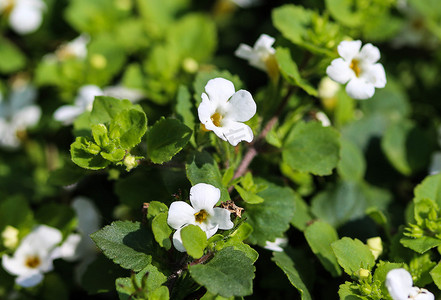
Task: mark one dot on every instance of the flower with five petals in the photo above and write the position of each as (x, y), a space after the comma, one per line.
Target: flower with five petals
(359, 68)
(201, 212)
(223, 110)
(399, 284)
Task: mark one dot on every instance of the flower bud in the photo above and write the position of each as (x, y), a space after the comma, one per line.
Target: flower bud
(10, 237)
(363, 273)
(130, 162)
(376, 246)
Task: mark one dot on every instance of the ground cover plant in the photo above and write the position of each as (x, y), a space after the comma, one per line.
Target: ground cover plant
(228, 149)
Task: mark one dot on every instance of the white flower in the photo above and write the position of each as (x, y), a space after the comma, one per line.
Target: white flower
(358, 68)
(277, 245)
(33, 256)
(86, 96)
(399, 284)
(25, 16)
(76, 48)
(203, 198)
(17, 113)
(261, 52)
(223, 110)
(83, 102)
(323, 119)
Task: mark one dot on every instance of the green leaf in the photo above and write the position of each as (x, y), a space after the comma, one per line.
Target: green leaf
(100, 135)
(15, 211)
(184, 107)
(381, 271)
(310, 147)
(229, 273)
(430, 188)
(202, 168)
(342, 11)
(115, 156)
(156, 208)
(106, 108)
(129, 126)
(302, 215)
(100, 276)
(84, 154)
(420, 245)
(161, 230)
(248, 196)
(126, 243)
(165, 139)
(347, 292)
(436, 275)
(407, 146)
(290, 71)
(148, 279)
(12, 58)
(288, 267)
(352, 165)
(160, 293)
(352, 255)
(320, 236)
(194, 240)
(271, 218)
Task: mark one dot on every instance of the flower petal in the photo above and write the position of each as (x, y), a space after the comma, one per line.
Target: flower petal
(210, 232)
(205, 110)
(86, 96)
(376, 75)
(221, 217)
(68, 250)
(14, 265)
(177, 241)
(241, 106)
(339, 71)
(67, 113)
(265, 41)
(236, 132)
(204, 196)
(244, 51)
(25, 18)
(89, 219)
(219, 90)
(424, 295)
(360, 89)
(349, 49)
(180, 214)
(29, 280)
(26, 117)
(399, 283)
(47, 236)
(369, 53)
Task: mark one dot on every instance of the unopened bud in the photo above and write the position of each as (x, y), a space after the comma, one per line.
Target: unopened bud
(190, 65)
(363, 273)
(98, 61)
(130, 162)
(376, 246)
(10, 237)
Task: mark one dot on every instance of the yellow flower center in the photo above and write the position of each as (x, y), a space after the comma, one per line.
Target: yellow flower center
(216, 118)
(201, 216)
(355, 67)
(9, 6)
(32, 261)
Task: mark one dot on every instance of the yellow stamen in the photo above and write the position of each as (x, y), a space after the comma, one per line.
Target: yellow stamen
(216, 118)
(355, 67)
(201, 216)
(203, 128)
(32, 261)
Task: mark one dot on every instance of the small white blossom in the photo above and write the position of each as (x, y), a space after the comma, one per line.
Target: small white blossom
(358, 68)
(201, 212)
(83, 102)
(223, 110)
(260, 53)
(323, 119)
(277, 245)
(399, 284)
(76, 48)
(86, 96)
(33, 256)
(25, 16)
(17, 113)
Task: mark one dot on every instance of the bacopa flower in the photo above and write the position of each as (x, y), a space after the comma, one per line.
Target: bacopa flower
(399, 284)
(223, 110)
(358, 68)
(33, 256)
(17, 113)
(261, 55)
(25, 16)
(201, 212)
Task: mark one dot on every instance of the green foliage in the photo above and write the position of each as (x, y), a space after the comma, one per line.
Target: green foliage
(288, 267)
(12, 58)
(194, 240)
(126, 243)
(312, 148)
(161, 230)
(352, 255)
(229, 273)
(165, 139)
(320, 236)
(270, 218)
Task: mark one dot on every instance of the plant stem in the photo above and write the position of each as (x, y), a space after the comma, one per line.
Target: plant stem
(255, 145)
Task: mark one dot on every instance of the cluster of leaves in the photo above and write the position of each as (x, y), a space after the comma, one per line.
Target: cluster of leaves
(325, 189)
